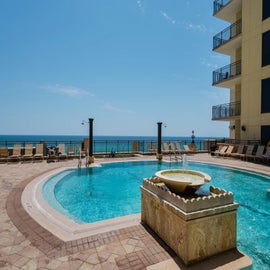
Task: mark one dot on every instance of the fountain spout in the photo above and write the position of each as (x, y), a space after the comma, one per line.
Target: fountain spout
(185, 162)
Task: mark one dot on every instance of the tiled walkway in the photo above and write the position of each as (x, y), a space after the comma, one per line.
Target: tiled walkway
(24, 244)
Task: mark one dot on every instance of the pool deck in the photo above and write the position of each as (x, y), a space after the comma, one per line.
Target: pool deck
(24, 244)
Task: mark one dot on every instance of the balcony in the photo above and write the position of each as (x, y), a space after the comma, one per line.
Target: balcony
(228, 75)
(226, 111)
(227, 9)
(219, 4)
(228, 39)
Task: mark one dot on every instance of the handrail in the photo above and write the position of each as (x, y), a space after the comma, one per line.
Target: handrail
(227, 72)
(226, 110)
(227, 34)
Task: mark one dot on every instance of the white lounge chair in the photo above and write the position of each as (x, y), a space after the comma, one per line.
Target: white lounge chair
(258, 154)
(248, 152)
(71, 153)
(221, 150)
(4, 154)
(16, 153)
(39, 154)
(178, 147)
(61, 151)
(28, 152)
(228, 151)
(166, 148)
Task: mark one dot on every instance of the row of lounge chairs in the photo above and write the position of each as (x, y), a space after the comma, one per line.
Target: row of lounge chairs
(39, 152)
(173, 147)
(254, 153)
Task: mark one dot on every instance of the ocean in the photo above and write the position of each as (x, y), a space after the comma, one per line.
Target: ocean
(67, 138)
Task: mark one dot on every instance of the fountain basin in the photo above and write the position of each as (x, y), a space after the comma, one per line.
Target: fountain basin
(183, 181)
(195, 228)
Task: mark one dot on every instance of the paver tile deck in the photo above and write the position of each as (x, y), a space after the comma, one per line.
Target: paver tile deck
(24, 244)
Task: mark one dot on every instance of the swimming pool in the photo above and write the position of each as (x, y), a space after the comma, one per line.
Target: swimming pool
(98, 193)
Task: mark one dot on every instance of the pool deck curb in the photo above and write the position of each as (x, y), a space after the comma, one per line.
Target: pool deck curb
(59, 225)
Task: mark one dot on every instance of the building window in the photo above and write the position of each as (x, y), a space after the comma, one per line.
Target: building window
(265, 107)
(266, 9)
(265, 134)
(265, 49)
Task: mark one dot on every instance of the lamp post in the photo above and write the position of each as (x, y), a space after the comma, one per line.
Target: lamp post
(192, 137)
(193, 145)
(90, 140)
(159, 153)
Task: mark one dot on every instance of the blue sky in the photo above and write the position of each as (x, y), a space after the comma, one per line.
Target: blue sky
(126, 63)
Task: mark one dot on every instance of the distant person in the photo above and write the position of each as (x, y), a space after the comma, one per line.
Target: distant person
(51, 151)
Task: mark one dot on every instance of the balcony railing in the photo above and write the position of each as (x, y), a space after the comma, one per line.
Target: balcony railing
(227, 72)
(227, 34)
(219, 4)
(227, 110)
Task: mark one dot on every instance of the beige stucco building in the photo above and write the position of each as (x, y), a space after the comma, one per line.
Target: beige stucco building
(247, 76)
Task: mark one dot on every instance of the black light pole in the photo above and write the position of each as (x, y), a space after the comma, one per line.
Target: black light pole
(91, 158)
(192, 137)
(91, 136)
(159, 153)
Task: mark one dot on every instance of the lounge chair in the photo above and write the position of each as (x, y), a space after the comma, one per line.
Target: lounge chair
(217, 149)
(221, 150)
(228, 151)
(193, 147)
(187, 149)
(166, 147)
(178, 147)
(175, 154)
(71, 153)
(85, 145)
(79, 151)
(240, 151)
(4, 154)
(249, 152)
(61, 151)
(39, 155)
(266, 155)
(16, 153)
(28, 152)
(172, 147)
(152, 147)
(258, 154)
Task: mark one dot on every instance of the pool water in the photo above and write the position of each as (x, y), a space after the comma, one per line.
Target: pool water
(113, 190)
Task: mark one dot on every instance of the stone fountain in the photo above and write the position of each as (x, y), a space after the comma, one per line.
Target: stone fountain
(194, 226)
(183, 181)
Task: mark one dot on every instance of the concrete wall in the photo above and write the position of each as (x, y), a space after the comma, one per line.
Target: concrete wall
(252, 70)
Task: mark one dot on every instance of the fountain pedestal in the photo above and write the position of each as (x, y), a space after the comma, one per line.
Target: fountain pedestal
(195, 228)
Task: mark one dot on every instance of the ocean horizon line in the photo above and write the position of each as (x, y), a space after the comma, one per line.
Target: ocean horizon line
(30, 136)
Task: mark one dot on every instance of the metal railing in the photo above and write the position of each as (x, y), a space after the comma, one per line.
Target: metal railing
(244, 142)
(219, 4)
(104, 147)
(109, 146)
(226, 110)
(227, 72)
(227, 34)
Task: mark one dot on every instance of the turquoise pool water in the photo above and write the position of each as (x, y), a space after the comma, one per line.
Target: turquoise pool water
(98, 193)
